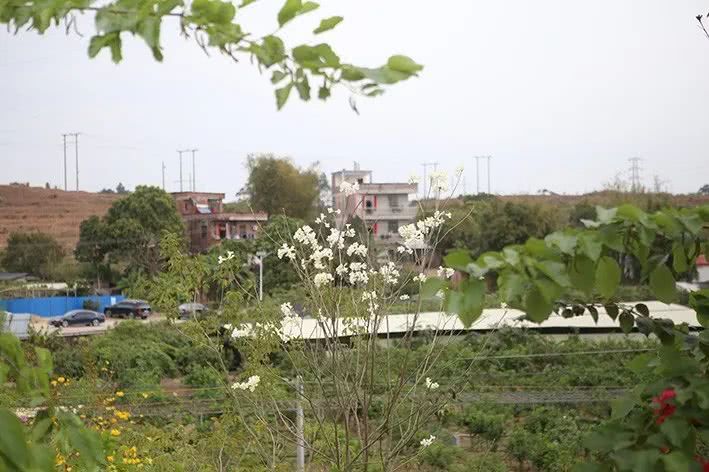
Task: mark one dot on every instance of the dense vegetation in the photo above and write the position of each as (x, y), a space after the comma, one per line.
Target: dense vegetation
(174, 392)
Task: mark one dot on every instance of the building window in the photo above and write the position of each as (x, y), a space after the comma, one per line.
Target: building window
(394, 201)
(393, 226)
(204, 231)
(360, 181)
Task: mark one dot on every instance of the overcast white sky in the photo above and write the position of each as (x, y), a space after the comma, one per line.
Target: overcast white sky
(560, 92)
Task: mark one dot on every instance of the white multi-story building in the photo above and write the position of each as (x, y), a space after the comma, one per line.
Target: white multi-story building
(383, 207)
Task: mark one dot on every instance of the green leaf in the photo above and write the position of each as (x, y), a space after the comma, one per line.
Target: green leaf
(678, 461)
(323, 93)
(327, 24)
(303, 87)
(676, 430)
(699, 301)
(607, 276)
(536, 306)
(13, 445)
(289, 10)
(626, 322)
(467, 301)
(403, 64)
(431, 287)
(458, 259)
(564, 241)
(605, 216)
(277, 76)
(88, 444)
(612, 310)
(308, 7)
(642, 309)
(662, 284)
(282, 95)
(556, 271)
(582, 273)
(510, 286)
(620, 407)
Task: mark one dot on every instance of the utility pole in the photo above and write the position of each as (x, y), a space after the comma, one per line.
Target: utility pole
(194, 179)
(76, 157)
(300, 427)
(477, 173)
(65, 182)
(488, 174)
(425, 167)
(180, 153)
(635, 174)
(163, 176)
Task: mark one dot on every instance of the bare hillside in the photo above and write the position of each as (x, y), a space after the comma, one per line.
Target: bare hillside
(54, 212)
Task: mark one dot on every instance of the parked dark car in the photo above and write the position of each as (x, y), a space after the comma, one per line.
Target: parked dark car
(129, 309)
(78, 317)
(189, 310)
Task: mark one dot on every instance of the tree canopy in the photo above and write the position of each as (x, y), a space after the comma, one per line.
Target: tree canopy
(277, 186)
(34, 253)
(131, 230)
(215, 26)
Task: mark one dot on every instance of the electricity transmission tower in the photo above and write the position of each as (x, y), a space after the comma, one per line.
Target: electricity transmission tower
(635, 185)
(477, 172)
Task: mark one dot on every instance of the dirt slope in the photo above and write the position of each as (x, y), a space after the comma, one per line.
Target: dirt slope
(54, 212)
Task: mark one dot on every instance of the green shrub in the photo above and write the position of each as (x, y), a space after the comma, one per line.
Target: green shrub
(487, 462)
(90, 305)
(205, 378)
(485, 423)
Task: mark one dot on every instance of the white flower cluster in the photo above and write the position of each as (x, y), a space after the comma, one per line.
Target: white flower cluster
(404, 297)
(440, 294)
(428, 441)
(357, 249)
(332, 210)
(323, 278)
(322, 220)
(503, 305)
(431, 385)
(445, 272)
(390, 273)
(358, 273)
(373, 305)
(286, 251)
(319, 254)
(348, 188)
(306, 235)
(414, 235)
(421, 278)
(229, 256)
(249, 385)
(439, 181)
(287, 310)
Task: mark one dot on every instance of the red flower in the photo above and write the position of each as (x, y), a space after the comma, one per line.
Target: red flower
(664, 409)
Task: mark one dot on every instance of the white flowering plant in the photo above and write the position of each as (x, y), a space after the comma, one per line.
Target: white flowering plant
(333, 339)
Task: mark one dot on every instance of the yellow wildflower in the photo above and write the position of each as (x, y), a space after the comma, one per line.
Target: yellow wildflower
(119, 394)
(115, 432)
(109, 458)
(61, 380)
